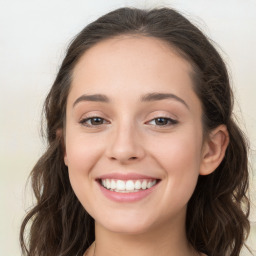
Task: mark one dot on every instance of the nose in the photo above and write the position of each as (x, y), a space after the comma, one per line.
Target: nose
(125, 145)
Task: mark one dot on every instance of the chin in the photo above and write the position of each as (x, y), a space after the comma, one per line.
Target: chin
(126, 225)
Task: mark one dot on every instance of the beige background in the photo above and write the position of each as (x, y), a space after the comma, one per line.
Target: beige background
(33, 38)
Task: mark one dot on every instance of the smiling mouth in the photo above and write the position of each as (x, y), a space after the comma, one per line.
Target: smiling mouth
(127, 186)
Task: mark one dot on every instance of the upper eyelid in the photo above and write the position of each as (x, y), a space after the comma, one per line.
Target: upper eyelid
(103, 116)
(151, 116)
(165, 117)
(91, 117)
(88, 118)
(84, 120)
(172, 120)
(161, 115)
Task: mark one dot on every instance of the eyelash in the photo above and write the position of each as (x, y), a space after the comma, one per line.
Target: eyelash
(169, 121)
(85, 120)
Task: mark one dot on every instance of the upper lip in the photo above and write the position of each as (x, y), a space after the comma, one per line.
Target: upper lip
(125, 176)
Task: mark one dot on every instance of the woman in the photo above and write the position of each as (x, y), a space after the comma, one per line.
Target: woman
(144, 157)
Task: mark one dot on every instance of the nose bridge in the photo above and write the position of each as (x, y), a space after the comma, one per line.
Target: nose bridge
(125, 143)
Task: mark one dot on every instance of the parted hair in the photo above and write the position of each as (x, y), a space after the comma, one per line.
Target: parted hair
(217, 213)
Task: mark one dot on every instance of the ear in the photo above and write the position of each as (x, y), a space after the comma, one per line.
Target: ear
(214, 150)
(65, 158)
(60, 135)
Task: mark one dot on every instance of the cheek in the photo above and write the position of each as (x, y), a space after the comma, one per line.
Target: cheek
(81, 155)
(179, 152)
(180, 158)
(81, 152)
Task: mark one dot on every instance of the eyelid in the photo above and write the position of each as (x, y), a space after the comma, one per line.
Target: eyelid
(90, 117)
(92, 114)
(87, 117)
(171, 121)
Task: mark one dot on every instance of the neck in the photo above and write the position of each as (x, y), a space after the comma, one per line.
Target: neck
(165, 240)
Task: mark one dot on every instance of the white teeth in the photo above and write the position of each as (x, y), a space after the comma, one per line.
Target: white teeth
(108, 184)
(113, 184)
(129, 185)
(123, 186)
(120, 185)
(144, 184)
(138, 184)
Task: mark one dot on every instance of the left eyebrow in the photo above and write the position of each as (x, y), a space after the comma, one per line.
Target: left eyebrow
(162, 96)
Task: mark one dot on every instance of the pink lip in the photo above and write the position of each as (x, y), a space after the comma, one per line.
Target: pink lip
(125, 176)
(126, 197)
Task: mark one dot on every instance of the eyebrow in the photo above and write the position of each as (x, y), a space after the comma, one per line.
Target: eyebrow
(92, 97)
(145, 98)
(162, 96)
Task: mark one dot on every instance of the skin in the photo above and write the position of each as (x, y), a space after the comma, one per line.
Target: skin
(128, 139)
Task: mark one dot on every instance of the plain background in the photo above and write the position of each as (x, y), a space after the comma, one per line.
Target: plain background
(33, 38)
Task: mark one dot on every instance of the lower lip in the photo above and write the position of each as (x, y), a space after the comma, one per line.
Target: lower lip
(126, 197)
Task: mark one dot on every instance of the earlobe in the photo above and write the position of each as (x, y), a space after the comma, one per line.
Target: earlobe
(214, 150)
(59, 134)
(65, 159)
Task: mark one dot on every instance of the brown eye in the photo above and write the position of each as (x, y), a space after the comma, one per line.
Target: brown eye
(96, 121)
(162, 121)
(93, 121)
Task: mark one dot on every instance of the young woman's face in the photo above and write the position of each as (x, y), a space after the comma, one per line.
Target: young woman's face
(134, 126)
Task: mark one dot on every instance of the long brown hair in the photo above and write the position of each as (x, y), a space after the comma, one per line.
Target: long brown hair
(217, 214)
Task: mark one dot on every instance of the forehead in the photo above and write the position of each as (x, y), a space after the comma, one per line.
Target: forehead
(127, 49)
(130, 66)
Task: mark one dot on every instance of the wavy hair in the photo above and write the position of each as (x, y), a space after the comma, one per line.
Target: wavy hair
(217, 213)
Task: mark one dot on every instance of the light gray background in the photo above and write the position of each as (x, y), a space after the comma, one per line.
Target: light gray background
(33, 38)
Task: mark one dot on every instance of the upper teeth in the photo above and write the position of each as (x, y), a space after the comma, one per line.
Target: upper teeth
(127, 185)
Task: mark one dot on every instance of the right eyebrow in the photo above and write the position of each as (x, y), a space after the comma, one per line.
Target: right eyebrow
(91, 97)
